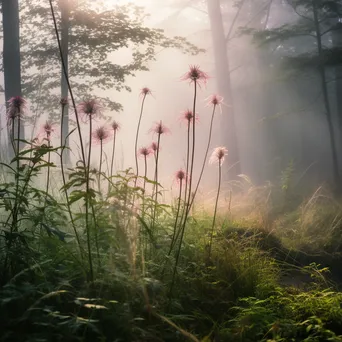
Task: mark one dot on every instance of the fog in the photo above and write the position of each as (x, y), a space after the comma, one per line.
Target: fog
(279, 119)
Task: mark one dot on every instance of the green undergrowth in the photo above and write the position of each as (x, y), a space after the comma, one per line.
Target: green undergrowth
(233, 296)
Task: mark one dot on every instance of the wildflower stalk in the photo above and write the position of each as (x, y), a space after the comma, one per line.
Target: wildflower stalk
(206, 154)
(100, 166)
(137, 137)
(15, 217)
(173, 241)
(187, 204)
(113, 154)
(156, 183)
(215, 210)
(64, 183)
(87, 207)
(78, 127)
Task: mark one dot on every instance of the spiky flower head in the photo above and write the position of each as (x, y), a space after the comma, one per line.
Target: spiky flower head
(47, 130)
(215, 101)
(187, 116)
(17, 102)
(145, 91)
(195, 75)
(101, 135)
(16, 108)
(64, 101)
(90, 108)
(159, 128)
(154, 147)
(181, 176)
(115, 126)
(145, 152)
(218, 155)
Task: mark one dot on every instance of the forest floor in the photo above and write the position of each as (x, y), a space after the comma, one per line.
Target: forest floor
(274, 274)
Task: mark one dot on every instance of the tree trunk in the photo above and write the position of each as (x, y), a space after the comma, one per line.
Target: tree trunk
(322, 74)
(11, 55)
(65, 27)
(228, 126)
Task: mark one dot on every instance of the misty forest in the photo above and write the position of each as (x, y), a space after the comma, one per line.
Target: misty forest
(171, 170)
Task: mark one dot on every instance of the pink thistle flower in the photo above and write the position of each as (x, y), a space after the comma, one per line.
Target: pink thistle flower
(47, 130)
(16, 107)
(181, 176)
(145, 152)
(196, 75)
(154, 147)
(159, 129)
(64, 101)
(17, 102)
(89, 108)
(145, 91)
(218, 155)
(215, 100)
(115, 126)
(101, 135)
(187, 116)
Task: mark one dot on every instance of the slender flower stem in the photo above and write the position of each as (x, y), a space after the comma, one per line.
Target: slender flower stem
(137, 137)
(173, 241)
(100, 166)
(187, 205)
(65, 71)
(215, 211)
(48, 172)
(145, 173)
(64, 183)
(113, 154)
(156, 184)
(206, 154)
(87, 207)
(15, 218)
(187, 172)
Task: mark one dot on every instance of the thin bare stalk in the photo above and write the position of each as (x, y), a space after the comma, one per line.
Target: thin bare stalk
(173, 241)
(187, 205)
(136, 139)
(187, 172)
(156, 184)
(215, 210)
(87, 207)
(100, 166)
(64, 183)
(113, 154)
(206, 154)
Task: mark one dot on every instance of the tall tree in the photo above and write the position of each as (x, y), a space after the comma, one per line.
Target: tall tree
(97, 34)
(11, 51)
(314, 23)
(224, 85)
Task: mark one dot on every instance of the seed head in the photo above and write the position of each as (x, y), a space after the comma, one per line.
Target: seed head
(187, 116)
(195, 75)
(181, 176)
(47, 129)
(218, 155)
(115, 126)
(145, 91)
(159, 129)
(154, 147)
(101, 135)
(145, 152)
(64, 101)
(89, 108)
(17, 102)
(16, 108)
(215, 101)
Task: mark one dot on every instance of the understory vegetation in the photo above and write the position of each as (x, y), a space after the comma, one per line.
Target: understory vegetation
(100, 257)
